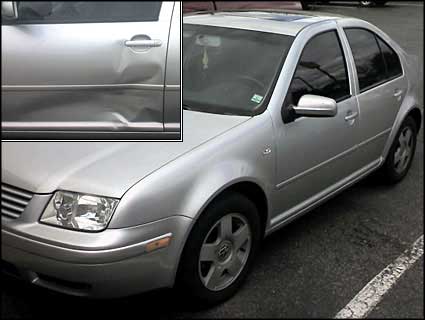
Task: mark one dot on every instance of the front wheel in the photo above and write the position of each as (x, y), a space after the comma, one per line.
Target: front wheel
(220, 250)
(400, 155)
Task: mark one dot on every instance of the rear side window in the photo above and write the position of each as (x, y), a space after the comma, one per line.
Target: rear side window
(375, 61)
(392, 60)
(321, 70)
(30, 12)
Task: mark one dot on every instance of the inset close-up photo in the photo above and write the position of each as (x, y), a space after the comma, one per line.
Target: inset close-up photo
(89, 70)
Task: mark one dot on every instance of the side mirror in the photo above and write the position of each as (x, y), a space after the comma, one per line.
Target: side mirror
(9, 10)
(315, 106)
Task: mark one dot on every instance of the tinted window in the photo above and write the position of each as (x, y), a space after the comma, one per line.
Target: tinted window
(391, 60)
(321, 70)
(87, 11)
(370, 65)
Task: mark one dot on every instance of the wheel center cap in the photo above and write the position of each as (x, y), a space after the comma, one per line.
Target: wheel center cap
(224, 250)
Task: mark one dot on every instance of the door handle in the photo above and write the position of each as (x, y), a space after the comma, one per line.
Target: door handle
(398, 92)
(143, 43)
(351, 115)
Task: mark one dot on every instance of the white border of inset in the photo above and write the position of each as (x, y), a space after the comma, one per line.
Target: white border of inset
(177, 4)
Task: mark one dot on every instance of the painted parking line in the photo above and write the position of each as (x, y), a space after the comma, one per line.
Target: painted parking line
(367, 299)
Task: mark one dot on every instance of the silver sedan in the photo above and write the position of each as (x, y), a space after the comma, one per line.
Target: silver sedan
(282, 111)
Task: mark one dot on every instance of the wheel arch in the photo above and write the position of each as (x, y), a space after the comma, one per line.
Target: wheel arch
(415, 112)
(250, 189)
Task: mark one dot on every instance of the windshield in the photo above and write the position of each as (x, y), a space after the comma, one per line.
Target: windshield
(230, 71)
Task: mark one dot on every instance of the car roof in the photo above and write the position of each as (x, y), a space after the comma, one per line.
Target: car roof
(283, 22)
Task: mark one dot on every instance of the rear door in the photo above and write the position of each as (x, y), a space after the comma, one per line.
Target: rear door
(87, 69)
(382, 86)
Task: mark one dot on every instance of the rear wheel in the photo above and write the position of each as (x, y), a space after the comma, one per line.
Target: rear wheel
(401, 153)
(220, 250)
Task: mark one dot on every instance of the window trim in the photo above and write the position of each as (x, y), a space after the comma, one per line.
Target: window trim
(376, 37)
(18, 22)
(334, 30)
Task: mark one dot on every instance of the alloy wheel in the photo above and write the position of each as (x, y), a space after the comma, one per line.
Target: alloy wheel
(224, 252)
(404, 149)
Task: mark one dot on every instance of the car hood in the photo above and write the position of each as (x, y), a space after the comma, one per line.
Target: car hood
(103, 168)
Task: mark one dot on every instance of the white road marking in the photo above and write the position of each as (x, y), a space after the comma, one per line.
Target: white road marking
(367, 299)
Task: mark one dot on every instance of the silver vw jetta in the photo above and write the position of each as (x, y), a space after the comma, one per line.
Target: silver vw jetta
(283, 111)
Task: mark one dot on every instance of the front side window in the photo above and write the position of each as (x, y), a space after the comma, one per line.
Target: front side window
(375, 61)
(321, 70)
(36, 12)
(230, 71)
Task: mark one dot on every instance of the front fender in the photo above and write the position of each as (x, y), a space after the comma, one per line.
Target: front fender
(186, 185)
(219, 178)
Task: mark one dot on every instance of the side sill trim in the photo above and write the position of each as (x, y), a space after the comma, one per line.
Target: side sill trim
(287, 216)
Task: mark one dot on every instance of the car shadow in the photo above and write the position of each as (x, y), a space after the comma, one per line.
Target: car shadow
(34, 302)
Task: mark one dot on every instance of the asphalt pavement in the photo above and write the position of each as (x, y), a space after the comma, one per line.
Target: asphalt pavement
(314, 266)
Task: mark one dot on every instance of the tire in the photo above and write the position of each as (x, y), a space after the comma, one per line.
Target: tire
(393, 171)
(192, 273)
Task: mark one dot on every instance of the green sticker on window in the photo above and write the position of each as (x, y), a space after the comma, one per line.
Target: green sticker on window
(256, 98)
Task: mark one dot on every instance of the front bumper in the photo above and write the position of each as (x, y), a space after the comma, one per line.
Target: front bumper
(112, 263)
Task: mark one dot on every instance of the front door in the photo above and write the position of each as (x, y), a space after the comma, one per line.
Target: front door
(316, 153)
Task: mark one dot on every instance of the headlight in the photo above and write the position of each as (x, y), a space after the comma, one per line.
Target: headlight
(79, 211)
